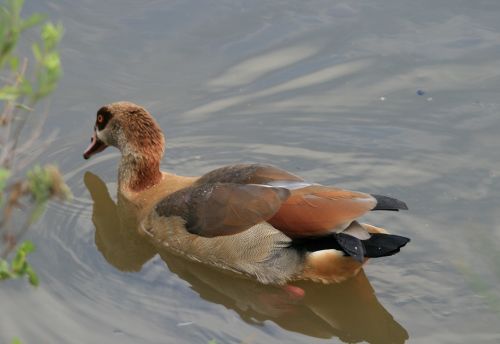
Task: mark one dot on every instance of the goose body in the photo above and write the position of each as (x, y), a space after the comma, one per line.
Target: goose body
(252, 219)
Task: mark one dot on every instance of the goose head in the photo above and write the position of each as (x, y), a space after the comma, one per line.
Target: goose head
(131, 129)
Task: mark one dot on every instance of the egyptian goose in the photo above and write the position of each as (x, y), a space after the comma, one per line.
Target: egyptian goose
(348, 310)
(252, 219)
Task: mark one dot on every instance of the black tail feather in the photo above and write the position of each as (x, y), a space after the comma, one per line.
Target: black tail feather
(383, 245)
(352, 246)
(378, 245)
(389, 203)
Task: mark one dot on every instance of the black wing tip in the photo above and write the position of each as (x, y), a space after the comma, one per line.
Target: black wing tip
(389, 203)
(403, 205)
(378, 245)
(352, 246)
(384, 245)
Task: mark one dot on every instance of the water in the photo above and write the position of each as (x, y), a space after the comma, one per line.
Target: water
(325, 89)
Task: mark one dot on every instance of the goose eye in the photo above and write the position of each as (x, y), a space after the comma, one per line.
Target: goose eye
(100, 119)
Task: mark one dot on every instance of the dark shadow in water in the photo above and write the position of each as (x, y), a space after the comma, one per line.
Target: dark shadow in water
(348, 310)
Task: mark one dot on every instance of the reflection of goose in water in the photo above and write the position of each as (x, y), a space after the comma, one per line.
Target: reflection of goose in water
(347, 310)
(254, 219)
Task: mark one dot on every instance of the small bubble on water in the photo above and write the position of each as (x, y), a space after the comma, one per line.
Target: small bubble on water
(429, 99)
(382, 98)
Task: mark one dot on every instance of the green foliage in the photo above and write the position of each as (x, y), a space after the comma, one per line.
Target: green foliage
(45, 183)
(47, 57)
(16, 341)
(4, 176)
(39, 184)
(20, 89)
(48, 65)
(19, 267)
(12, 25)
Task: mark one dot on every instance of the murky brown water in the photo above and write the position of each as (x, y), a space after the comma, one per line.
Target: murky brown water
(325, 89)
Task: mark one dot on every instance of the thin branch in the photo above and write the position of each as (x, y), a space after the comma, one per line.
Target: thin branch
(12, 244)
(41, 146)
(8, 111)
(8, 116)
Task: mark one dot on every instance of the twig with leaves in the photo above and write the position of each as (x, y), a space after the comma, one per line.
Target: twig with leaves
(22, 87)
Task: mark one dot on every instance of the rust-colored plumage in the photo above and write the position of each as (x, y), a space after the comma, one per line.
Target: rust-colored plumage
(316, 209)
(141, 130)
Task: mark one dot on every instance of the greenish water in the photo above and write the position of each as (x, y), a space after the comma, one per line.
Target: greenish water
(325, 89)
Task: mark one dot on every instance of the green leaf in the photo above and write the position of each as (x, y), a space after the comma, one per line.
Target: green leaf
(39, 183)
(16, 6)
(37, 212)
(4, 266)
(52, 61)
(33, 20)
(8, 93)
(14, 63)
(27, 247)
(20, 266)
(32, 276)
(4, 270)
(40, 186)
(35, 48)
(25, 87)
(16, 341)
(24, 107)
(4, 176)
(51, 35)
(17, 265)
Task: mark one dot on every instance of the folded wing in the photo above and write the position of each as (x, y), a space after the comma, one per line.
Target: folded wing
(217, 209)
(316, 209)
(232, 199)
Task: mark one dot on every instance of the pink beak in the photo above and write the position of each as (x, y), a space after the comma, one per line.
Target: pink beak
(95, 146)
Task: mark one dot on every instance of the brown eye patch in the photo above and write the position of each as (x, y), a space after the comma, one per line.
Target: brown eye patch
(103, 117)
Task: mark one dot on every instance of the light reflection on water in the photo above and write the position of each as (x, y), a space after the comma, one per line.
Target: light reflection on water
(299, 85)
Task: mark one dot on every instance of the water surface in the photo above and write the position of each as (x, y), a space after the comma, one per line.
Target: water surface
(325, 89)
